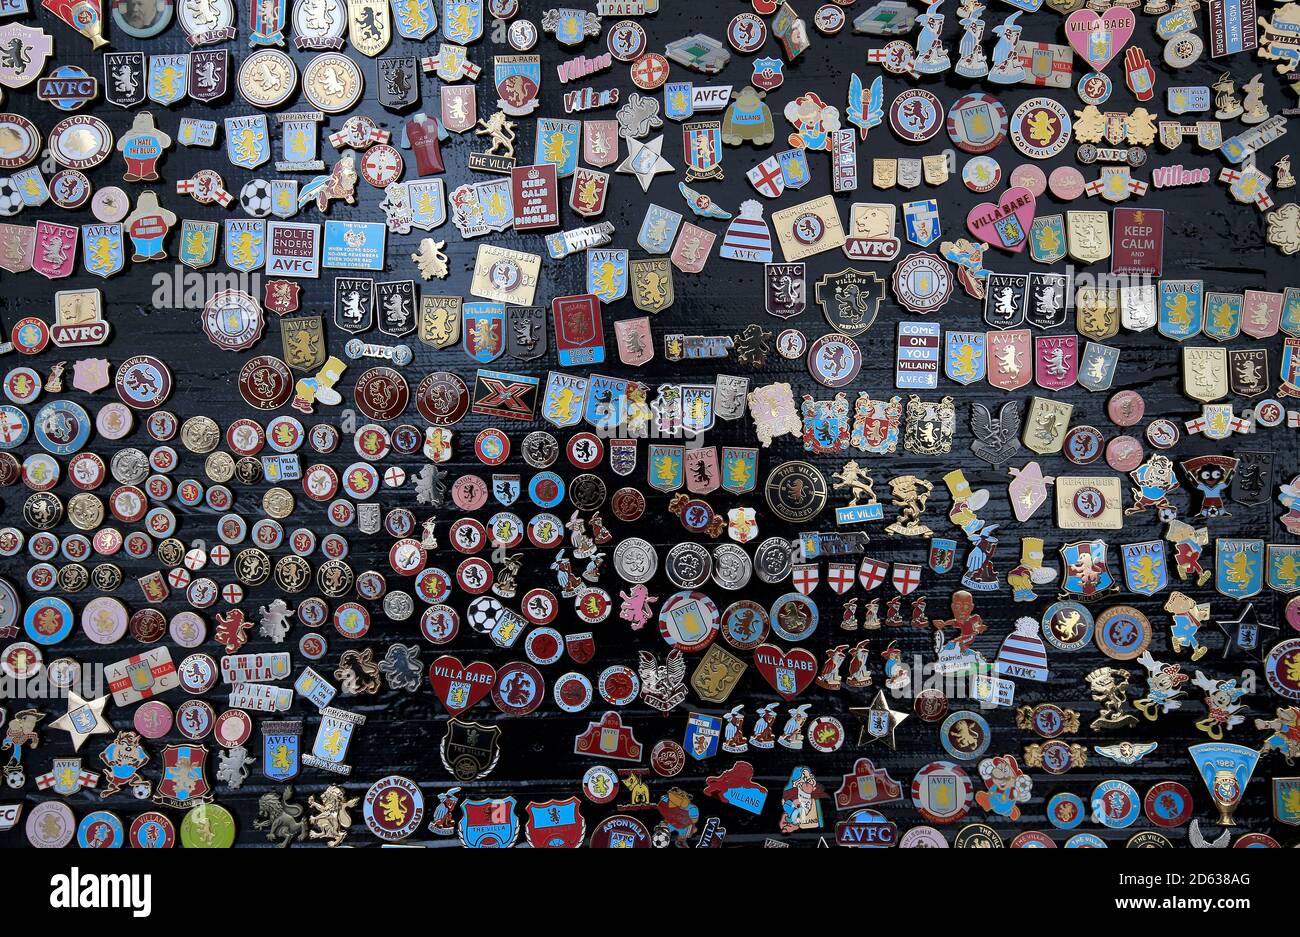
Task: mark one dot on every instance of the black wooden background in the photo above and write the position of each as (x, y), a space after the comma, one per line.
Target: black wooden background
(1207, 236)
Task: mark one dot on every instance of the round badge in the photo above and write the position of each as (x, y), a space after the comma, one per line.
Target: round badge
(795, 491)
(688, 621)
(965, 735)
(80, 142)
(1168, 804)
(1115, 804)
(1040, 128)
(1065, 811)
(915, 115)
(1122, 632)
(793, 616)
(942, 792)
(834, 360)
(1065, 183)
(1281, 667)
(981, 174)
(977, 123)
(393, 808)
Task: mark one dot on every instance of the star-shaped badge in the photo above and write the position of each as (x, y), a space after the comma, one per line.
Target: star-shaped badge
(83, 719)
(1245, 633)
(879, 722)
(644, 160)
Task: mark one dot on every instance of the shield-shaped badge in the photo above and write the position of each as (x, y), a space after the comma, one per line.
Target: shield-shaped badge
(1097, 366)
(587, 196)
(1137, 311)
(198, 243)
(739, 469)
(921, 221)
(395, 303)
(440, 320)
(658, 229)
(665, 471)
(1056, 361)
(168, 78)
(557, 143)
(1248, 371)
(370, 27)
(850, 300)
(1205, 373)
(124, 78)
(1252, 483)
(248, 141)
(1096, 311)
(1284, 568)
(652, 284)
(483, 331)
(579, 329)
(1238, 567)
(965, 361)
(1045, 302)
(517, 79)
(635, 341)
(525, 332)
(700, 467)
(1005, 298)
(354, 303)
(462, 20)
(702, 144)
(399, 85)
(281, 747)
(563, 399)
(1223, 315)
(416, 19)
(1181, 308)
(302, 339)
(1263, 313)
(103, 249)
(600, 142)
(209, 72)
(55, 252)
(245, 244)
(23, 51)
(1047, 239)
(459, 107)
(1144, 566)
(1009, 354)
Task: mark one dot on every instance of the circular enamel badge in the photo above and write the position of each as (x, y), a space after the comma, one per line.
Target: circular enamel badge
(977, 123)
(688, 621)
(393, 808)
(915, 115)
(80, 142)
(1040, 128)
(1122, 632)
(922, 282)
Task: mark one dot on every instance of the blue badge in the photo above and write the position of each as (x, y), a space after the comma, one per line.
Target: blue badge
(665, 471)
(416, 19)
(169, 78)
(703, 733)
(1238, 567)
(607, 273)
(546, 489)
(1180, 308)
(489, 823)
(1086, 572)
(921, 220)
(563, 400)
(198, 243)
(354, 245)
(462, 20)
(245, 244)
(1144, 566)
(281, 744)
(103, 249)
(678, 100)
(658, 229)
(606, 401)
(248, 141)
(62, 427)
(482, 331)
(1115, 804)
(1223, 315)
(966, 359)
(558, 144)
(739, 469)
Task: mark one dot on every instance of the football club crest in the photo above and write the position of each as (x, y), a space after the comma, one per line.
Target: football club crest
(1181, 308)
(1138, 306)
(876, 424)
(1248, 371)
(600, 142)
(462, 20)
(395, 303)
(767, 177)
(483, 331)
(103, 249)
(563, 399)
(354, 303)
(921, 221)
(298, 145)
(1097, 366)
(652, 284)
(268, 23)
(658, 229)
(587, 196)
(66, 777)
(1045, 303)
(56, 249)
(1286, 800)
(319, 24)
(184, 782)
(281, 746)
(570, 27)
(1263, 313)
(302, 339)
(1223, 315)
(1005, 299)
(1086, 573)
(557, 144)
(1252, 483)
(245, 244)
(370, 27)
(1047, 239)
(606, 401)
(740, 469)
(440, 320)
(427, 201)
(248, 141)
(579, 329)
(284, 197)
(607, 273)
(517, 79)
(826, 424)
(666, 469)
(23, 51)
(1145, 571)
(416, 19)
(198, 243)
(525, 332)
(555, 824)
(943, 552)
(701, 469)
(124, 78)
(1056, 361)
(635, 341)
(399, 85)
(17, 247)
(850, 300)
(768, 74)
(1239, 567)
(1009, 359)
(697, 407)
(702, 144)
(1205, 373)
(169, 77)
(1096, 311)
(459, 107)
(966, 358)
(207, 23)
(679, 100)
(1284, 568)
(794, 168)
(785, 293)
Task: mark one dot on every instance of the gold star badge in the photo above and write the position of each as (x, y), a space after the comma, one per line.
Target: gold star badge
(879, 722)
(83, 719)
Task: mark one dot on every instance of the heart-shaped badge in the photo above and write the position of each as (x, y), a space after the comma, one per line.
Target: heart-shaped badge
(460, 686)
(1006, 224)
(1099, 38)
(789, 672)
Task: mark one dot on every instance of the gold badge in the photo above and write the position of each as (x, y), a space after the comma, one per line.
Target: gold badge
(811, 228)
(1046, 425)
(717, 674)
(505, 275)
(440, 320)
(303, 341)
(1088, 502)
(935, 169)
(652, 284)
(1087, 235)
(884, 173)
(1096, 311)
(369, 27)
(1205, 373)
